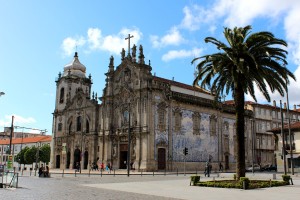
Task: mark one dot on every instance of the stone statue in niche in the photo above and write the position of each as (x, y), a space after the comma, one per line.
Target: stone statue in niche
(114, 151)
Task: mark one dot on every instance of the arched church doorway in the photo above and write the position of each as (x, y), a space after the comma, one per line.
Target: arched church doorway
(57, 161)
(161, 159)
(68, 160)
(123, 156)
(76, 157)
(86, 159)
(226, 161)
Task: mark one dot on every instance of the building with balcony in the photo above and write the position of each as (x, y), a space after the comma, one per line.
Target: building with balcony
(266, 117)
(292, 147)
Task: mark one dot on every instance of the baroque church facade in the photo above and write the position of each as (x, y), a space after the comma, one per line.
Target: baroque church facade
(144, 118)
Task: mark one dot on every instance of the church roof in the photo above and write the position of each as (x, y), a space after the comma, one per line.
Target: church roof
(75, 68)
(181, 85)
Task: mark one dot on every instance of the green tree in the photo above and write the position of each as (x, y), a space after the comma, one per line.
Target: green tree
(20, 157)
(44, 154)
(248, 59)
(30, 155)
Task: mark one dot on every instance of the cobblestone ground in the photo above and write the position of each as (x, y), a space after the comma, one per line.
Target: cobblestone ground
(71, 187)
(158, 187)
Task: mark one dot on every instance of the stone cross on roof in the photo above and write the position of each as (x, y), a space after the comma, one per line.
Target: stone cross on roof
(128, 38)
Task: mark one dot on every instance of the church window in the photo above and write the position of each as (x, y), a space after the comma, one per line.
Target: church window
(161, 120)
(59, 128)
(161, 116)
(213, 124)
(226, 128)
(226, 143)
(87, 126)
(70, 128)
(235, 145)
(78, 128)
(62, 94)
(196, 124)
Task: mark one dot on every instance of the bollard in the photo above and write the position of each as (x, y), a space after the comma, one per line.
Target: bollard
(274, 176)
(291, 181)
(75, 172)
(114, 172)
(17, 180)
(89, 172)
(214, 181)
(62, 175)
(22, 171)
(30, 172)
(244, 185)
(270, 183)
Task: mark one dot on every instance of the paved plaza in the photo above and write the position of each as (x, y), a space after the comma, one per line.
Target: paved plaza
(139, 186)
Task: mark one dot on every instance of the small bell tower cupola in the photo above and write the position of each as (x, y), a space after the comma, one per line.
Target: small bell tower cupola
(71, 80)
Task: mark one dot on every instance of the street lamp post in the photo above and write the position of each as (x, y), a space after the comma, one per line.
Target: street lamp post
(11, 133)
(252, 135)
(37, 157)
(127, 114)
(289, 127)
(81, 151)
(283, 140)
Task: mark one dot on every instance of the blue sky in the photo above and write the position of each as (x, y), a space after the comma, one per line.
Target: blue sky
(38, 38)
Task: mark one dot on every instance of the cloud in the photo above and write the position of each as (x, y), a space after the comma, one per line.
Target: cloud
(69, 44)
(95, 40)
(292, 87)
(195, 16)
(172, 38)
(18, 120)
(171, 55)
(241, 13)
(233, 13)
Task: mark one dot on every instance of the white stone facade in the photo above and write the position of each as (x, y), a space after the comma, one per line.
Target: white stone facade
(164, 117)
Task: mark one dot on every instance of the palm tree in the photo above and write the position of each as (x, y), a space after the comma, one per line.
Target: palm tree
(247, 60)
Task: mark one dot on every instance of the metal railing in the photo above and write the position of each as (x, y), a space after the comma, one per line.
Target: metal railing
(9, 180)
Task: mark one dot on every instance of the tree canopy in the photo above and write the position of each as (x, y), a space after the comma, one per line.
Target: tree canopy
(246, 60)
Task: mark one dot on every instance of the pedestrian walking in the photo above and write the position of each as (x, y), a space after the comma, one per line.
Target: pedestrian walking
(220, 167)
(207, 169)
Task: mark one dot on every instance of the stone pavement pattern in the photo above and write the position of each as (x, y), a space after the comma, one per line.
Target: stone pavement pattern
(158, 187)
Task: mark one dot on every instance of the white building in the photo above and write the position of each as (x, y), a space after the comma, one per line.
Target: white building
(19, 143)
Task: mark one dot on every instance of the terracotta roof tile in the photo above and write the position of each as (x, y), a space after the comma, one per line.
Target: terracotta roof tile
(294, 127)
(45, 138)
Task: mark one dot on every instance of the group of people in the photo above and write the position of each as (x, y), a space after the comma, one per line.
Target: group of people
(96, 165)
(44, 172)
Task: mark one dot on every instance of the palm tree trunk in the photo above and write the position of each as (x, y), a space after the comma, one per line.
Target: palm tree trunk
(240, 128)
